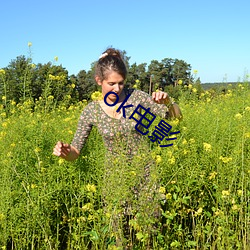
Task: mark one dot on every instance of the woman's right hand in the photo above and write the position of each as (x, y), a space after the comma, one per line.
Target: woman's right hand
(66, 151)
(62, 149)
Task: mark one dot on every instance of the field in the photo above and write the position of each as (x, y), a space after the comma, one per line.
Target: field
(47, 203)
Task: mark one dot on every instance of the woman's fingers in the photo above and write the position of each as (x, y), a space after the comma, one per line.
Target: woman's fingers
(160, 97)
(61, 149)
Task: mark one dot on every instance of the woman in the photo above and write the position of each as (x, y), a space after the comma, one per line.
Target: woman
(119, 132)
(110, 74)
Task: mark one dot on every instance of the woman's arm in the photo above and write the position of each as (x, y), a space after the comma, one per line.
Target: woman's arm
(163, 98)
(70, 152)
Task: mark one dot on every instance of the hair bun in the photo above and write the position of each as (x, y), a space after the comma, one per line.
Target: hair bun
(110, 60)
(111, 52)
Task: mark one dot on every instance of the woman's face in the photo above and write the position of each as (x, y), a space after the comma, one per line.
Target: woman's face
(114, 82)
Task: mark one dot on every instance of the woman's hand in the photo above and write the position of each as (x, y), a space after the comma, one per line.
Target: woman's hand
(65, 151)
(61, 149)
(161, 97)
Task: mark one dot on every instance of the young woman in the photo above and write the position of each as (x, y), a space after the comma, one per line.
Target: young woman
(120, 135)
(110, 74)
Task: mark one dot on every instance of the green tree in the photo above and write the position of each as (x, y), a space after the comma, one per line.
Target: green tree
(86, 84)
(181, 71)
(18, 79)
(168, 72)
(52, 80)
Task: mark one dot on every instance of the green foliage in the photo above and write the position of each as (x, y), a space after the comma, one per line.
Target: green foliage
(25, 80)
(202, 192)
(47, 203)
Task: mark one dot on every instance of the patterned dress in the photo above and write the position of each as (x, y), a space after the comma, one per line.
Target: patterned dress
(116, 130)
(127, 184)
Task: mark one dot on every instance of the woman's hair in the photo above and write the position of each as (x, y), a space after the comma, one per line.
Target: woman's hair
(110, 60)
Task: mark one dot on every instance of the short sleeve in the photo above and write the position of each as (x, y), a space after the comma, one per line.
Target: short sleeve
(84, 127)
(147, 102)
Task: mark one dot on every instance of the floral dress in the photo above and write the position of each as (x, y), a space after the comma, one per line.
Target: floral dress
(116, 130)
(129, 183)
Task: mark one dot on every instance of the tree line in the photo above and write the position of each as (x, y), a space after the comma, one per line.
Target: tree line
(22, 79)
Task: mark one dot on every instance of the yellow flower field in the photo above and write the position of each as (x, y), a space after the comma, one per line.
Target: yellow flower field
(47, 203)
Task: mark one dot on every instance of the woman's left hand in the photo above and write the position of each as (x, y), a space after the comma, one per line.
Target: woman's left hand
(161, 97)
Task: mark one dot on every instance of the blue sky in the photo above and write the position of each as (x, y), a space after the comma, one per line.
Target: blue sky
(212, 36)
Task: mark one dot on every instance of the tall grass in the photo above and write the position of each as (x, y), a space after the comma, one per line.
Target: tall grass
(47, 203)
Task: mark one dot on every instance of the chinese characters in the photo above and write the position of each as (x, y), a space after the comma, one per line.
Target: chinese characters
(145, 119)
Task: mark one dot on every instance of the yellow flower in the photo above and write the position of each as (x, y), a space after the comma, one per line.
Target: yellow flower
(207, 147)
(158, 159)
(108, 215)
(180, 82)
(2, 217)
(218, 212)
(212, 175)
(225, 159)
(238, 116)
(225, 193)
(191, 140)
(133, 173)
(97, 96)
(235, 207)
(51, 77)
(198, 212)
(56, 58)
(29, 44)
(247, 108)
(239, 192)
(194, 90)
(247, 135)
(61, 161)
(81, 219)
(195, 71)
(50, 97)
(4, 124)
(184, 142)
(135, 86)
(90, 217)
(175, 122)
(190, 86)
(37, 149)
(2, 72)
(73, 85)
(33, 186)
(168, 196)
(91, 188)
(137, 81)
(3, 97)
(87, 207)
(9, 154)
(171, 160)
(162, 190)
(184, 128)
